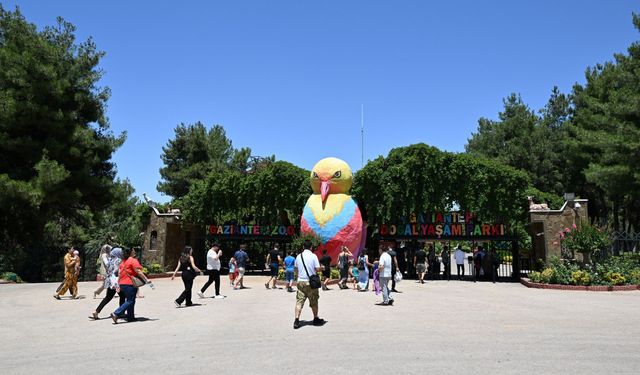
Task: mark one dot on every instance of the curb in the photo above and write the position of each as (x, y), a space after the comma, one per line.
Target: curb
(585, 288)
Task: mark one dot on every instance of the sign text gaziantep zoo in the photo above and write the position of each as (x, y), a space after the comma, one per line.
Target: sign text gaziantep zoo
(253, 230)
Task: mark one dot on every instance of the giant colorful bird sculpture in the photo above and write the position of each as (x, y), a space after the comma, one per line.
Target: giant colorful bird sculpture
(330, 213)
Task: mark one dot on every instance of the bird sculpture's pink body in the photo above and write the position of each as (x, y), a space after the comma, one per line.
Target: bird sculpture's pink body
(330, 213)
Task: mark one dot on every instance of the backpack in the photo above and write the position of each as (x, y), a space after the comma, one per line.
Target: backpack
(361, 264)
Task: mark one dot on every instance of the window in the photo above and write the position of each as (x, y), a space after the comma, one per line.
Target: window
(153, 243)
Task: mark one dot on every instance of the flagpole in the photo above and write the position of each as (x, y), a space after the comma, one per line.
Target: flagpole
(362, 135)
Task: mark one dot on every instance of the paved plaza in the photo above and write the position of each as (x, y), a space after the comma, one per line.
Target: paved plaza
(438, 328)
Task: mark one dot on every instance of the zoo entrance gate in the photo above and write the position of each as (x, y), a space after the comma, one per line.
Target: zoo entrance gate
(505, 245)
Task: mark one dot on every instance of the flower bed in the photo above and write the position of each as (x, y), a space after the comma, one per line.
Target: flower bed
(617, 271)
(592, 288)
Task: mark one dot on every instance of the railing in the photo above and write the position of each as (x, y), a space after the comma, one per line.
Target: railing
(624, 242)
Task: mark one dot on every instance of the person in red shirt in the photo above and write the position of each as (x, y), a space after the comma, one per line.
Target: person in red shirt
(130, 267)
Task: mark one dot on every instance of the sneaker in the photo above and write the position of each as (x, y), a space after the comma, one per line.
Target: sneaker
(390, 302)
(219, 296)
(200, 294)
(266, 285)
(296, 324)
(176, 303)
(382, 304)
(318, 321)
(114, 318)
(56, 297)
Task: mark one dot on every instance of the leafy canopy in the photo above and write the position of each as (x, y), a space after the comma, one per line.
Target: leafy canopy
(56, 168)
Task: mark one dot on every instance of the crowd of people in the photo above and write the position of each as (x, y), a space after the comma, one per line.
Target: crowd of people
(122, 273)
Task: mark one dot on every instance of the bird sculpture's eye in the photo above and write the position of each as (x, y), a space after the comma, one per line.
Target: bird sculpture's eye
(337, 174)
(315, 175)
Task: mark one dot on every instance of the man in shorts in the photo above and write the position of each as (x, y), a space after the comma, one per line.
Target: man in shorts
(304, 289)
(273, 262)
(325, 261)
(242, 259)
(289, 265)
(420, 264)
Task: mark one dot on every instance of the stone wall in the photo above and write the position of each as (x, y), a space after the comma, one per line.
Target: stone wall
(554, 221)
(171, 237)
(158, 223)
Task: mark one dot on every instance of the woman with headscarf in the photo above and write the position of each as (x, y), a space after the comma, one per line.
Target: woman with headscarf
(189, 272)
(129, 268)
(104, 262)
(110, 280)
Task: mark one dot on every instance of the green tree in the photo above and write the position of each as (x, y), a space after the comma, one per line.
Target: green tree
(421, 178)
(526, 141)
(55, 141)
(191, 155)
(605, 131)
(273, 193)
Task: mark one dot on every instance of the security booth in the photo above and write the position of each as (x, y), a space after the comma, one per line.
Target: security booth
(166, 236)
(260, 239)
(408, 234)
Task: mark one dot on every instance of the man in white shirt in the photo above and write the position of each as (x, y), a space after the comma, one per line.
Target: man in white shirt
(385, 275)
(305, 291)
(213, 269)
(460, 255)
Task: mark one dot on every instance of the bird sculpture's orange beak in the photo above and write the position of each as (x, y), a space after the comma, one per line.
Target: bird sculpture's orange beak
(324, 190)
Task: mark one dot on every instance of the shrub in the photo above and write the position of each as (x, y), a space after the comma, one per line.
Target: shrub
(155, 268)
(585, 238)
(335, 273)
(617, 270)
(281, 274)
(615, 278)
(535, 277)
(11, 276)
(145, 270)
(547, 275)
(580, 277)
(298, 240)
(561, 271)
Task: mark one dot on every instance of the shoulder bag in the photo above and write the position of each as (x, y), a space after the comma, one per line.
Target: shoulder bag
(314, 280)
(137, 282)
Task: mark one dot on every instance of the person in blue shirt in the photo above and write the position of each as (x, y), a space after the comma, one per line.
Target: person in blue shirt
(289, 263)
(242, 259)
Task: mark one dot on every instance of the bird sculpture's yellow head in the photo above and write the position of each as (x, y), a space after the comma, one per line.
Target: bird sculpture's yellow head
(331, 176)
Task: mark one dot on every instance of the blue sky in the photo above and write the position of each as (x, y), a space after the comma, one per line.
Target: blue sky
(289, 77)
